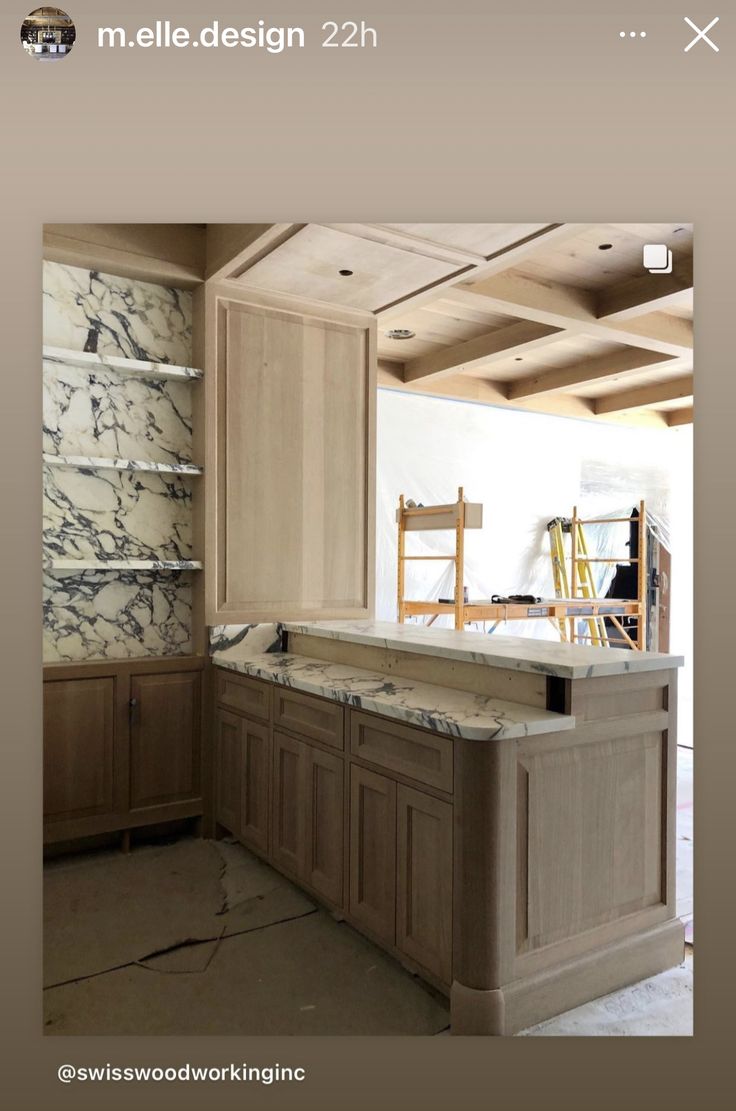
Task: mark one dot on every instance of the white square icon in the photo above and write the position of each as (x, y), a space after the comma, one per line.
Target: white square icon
(657, 258)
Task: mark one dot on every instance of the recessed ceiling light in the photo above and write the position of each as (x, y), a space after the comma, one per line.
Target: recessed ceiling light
(605, 246)
(345, 273)
(518, 359)
(400, 333)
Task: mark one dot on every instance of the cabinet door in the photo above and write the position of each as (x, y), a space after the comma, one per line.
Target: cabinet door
(373, 852)
(228, 770)
(324, 856)
(82, 776)
(424, 880)
(165, 738)
(290, 758)
(255, 783)
(292, 410)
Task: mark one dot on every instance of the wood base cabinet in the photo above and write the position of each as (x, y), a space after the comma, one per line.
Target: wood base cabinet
(308, 815)
(373, 852)
(424, 880)
(242, 777)
(122, 744)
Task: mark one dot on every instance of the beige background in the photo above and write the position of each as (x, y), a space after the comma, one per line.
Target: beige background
(463, 113)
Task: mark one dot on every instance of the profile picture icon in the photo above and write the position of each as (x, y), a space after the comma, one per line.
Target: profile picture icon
(48, 34)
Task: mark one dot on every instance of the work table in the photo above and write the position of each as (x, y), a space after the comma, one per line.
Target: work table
(427, 705)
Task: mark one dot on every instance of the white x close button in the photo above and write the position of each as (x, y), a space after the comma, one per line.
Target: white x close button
(702, 36)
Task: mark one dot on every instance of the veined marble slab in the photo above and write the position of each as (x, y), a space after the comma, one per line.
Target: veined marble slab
(566, 661)
(117, 406)
(102, 314)
(264, 637)
(100, 463)
(474, 717)
(105, 415)
(127, 614)
(124, 515)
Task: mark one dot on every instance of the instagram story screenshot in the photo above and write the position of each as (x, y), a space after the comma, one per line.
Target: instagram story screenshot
(367, 579)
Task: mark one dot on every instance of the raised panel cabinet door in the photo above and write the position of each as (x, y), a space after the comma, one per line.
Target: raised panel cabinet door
(165, 738)
(293, 415)
(424, 880)
(228, 769)
(325, 825)
(373, 852)
(255, 784)
(80, 774)
(288, 825)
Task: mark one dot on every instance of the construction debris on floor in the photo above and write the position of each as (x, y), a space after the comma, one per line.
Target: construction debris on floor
(200, 937)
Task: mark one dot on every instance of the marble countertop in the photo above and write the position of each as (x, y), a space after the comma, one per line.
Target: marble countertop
(474, 717)
(566, 661)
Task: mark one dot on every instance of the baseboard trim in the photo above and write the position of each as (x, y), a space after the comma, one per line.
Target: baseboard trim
(524, 1003)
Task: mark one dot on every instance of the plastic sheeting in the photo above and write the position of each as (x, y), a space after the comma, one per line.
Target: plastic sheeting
(526, 468)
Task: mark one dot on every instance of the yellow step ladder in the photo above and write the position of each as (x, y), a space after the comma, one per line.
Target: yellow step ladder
(583, 583)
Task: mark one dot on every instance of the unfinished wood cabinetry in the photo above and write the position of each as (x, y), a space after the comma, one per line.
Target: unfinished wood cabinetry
(122, 745)
(325, 818)
(424, 880)
(523, 873)
(290, 457)
(279, 788)
(255, 782)
(84, 753)
(165, 738)
(373, 846)
(290, 759)
(228, 766)
(373, 852)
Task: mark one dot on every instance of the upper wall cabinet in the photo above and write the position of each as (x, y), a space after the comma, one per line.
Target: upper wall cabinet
(290, 398)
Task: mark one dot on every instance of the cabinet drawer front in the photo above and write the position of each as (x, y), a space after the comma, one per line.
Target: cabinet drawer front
(410, 752)
(238, 692)
(309, 716)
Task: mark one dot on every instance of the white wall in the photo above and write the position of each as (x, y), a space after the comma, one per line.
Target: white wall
(526, 468)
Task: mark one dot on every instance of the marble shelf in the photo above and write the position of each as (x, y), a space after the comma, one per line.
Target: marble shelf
(88, 359)
(91, 462)
(123, 565)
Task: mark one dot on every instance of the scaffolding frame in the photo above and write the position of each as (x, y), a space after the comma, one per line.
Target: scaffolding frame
(456, 517)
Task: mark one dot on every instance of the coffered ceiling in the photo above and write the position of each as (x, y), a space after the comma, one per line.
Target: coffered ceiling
(560, 318)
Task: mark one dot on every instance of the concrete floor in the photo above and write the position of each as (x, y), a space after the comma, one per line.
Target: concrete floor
(200, 937)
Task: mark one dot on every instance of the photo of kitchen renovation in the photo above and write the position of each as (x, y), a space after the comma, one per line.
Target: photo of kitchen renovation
(368, 629)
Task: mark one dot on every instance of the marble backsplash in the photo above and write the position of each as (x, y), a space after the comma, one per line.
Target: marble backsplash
(116, 614)
(101, 412)
(103, 514)
(88, 311)
(95, 514)
(265, 637)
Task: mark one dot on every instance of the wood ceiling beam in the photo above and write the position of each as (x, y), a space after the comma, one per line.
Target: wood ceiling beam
(484, 350)
(514, 254)
(232, 248)
(645, 396)
(628, 360)
(481, 391)
(573, 310)
(680, 416)
(646, 293)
